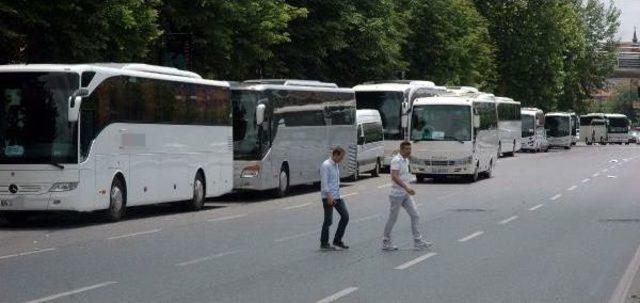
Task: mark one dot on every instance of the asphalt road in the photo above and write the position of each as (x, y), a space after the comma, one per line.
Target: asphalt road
(562, 226)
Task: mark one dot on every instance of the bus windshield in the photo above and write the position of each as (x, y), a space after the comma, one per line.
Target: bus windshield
(558, 126)
(618, 125)
(33, 118)
(441, 123)
(246, 145)
(389, 104)
(528, 125)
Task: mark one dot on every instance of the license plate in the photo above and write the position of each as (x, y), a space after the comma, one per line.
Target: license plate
(440, 170)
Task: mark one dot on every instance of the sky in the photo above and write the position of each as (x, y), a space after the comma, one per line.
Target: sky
(630, 17)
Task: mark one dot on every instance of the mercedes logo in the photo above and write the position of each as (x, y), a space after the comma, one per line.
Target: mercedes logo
(13, 188)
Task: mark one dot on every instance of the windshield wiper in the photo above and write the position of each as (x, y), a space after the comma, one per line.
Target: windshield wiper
(60, 166)
(454, 139)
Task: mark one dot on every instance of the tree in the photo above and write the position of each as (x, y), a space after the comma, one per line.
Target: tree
(77, 30)
(449, 43)
(342, 41)
(231, 39)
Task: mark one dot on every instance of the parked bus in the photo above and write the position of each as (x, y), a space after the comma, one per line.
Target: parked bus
(284, 129)
(454, 135)
(593, 128)
(509, 126)
(558, 127)
(108, 136)
(618, 128)
(575, 128)
(370, 142)
(534, 135)
(393, 99)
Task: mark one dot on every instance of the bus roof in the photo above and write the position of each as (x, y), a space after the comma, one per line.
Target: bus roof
(292, 82)
(444, 100)
(558, 114)
(393, 85)
(506, 100)
(368, 116)
(290, 85)
(615, 116)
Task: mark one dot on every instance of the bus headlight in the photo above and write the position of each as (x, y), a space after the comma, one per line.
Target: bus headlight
(250, 171)
(63, 186)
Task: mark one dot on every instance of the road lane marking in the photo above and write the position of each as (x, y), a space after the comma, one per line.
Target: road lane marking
(556, 197)
(612, 177)
(295, 236)
(449, 195)
(27, 253)
(385, 185)
(595, 175)
(348, 195)
(415, 261)
(297, 206)
(367, 218)
(338, 295)
(471, 236)
(536, 207)
(205, 258)
(572, 188)
(624, 285)
(586, 180)
(227, 218)
(505, 221)
(72, 292)
(135, 234)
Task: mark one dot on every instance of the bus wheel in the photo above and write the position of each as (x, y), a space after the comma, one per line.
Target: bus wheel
(476, 174)
(283, 182)
(489, 172)
(199, 192)
(16, 219)
(376, 171)
(420, 178)
(117, 201)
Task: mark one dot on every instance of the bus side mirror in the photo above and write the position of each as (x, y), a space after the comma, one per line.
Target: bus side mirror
(476, 121)
(73, 112)
(260, 113)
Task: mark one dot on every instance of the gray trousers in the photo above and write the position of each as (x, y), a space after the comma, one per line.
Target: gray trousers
(409, 205)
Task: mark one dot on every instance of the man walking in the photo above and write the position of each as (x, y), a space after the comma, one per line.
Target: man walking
(330, 191)
(402, 196)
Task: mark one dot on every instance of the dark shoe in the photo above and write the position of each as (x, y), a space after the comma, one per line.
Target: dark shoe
(326, 247)
(341, 245)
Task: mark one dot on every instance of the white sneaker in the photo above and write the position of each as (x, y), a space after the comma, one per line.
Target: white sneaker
(422, 244)
(387, 245)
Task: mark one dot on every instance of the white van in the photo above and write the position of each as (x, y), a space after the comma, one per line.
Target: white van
(370, 153)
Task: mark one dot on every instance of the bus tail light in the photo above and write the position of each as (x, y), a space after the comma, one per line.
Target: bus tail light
(63, 186)
(250, 171)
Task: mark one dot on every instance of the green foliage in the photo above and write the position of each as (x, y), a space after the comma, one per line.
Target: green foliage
(76, 30)
(449, 43)
(620, 102)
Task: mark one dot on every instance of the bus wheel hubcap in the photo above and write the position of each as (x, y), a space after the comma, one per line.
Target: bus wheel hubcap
(116, 199)
(198, 191)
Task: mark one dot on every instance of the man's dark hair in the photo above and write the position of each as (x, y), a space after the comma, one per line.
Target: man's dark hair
(404, 143)
(338, 151)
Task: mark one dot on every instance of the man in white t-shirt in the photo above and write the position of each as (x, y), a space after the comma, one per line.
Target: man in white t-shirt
(401, 195)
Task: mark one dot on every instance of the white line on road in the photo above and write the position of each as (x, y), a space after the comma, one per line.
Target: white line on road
(385, 185)
(348, 195)
(367, 218)
(297, 206)
(556, 197)
(595, 175)
(586, 180)
(447, 195)
(622, 290)
(72, 292)
(338, 295)
(572, 188)
(27, 253)
(471, 236)
(415, 261)
(135, 234)
(227, 218)
(505, 221)
(295, 236)
(536, 207)
(612, 177)
(205, 259)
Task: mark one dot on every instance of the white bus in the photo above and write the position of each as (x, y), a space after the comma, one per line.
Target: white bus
(509, 126)
(558, 127)
(392, 99)
(105, 137)
(370, 142)
(618, 128)
(454, 135)
(575, 128)
(593, 128)
(284, 129)
(534, 136)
